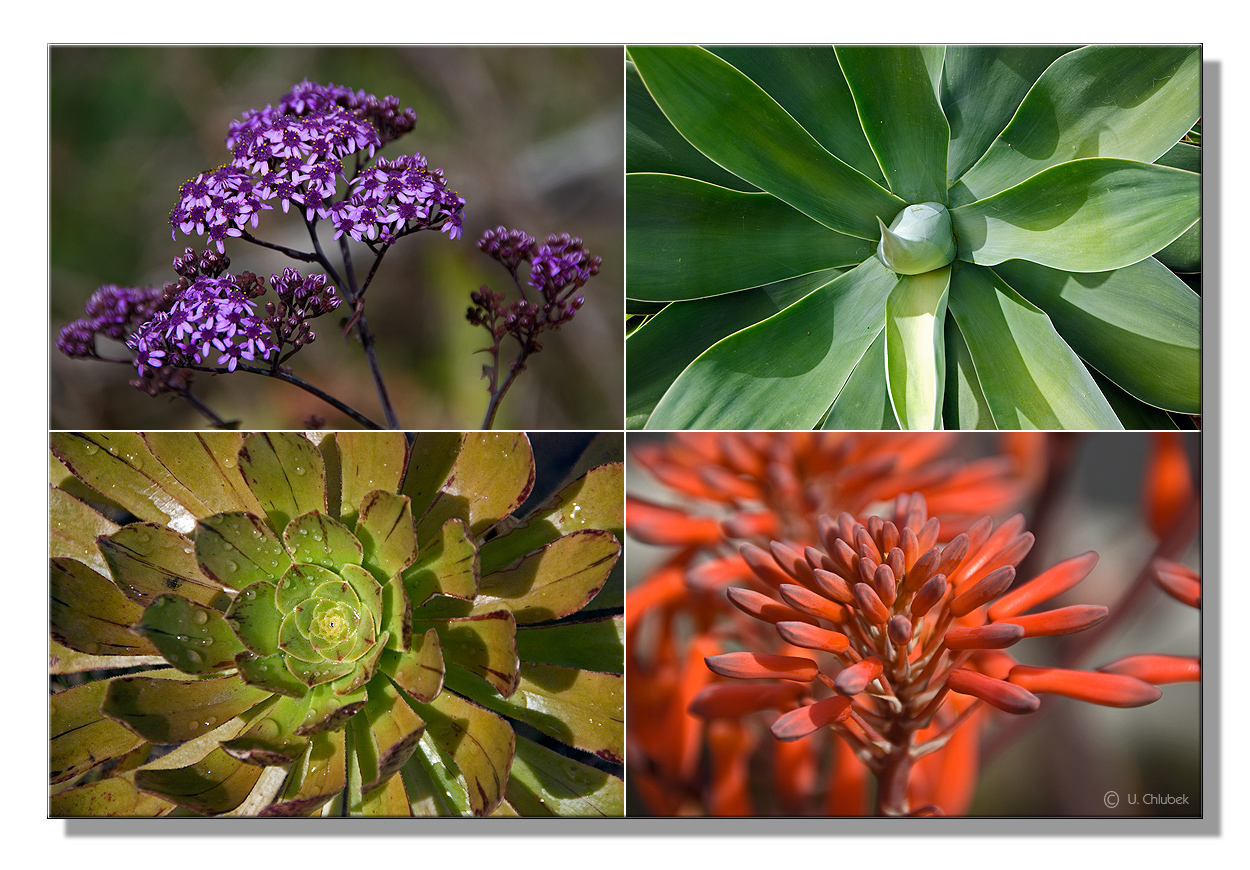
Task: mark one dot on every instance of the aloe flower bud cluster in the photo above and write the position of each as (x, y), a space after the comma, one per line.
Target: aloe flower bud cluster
(896, 641)
(342, 627)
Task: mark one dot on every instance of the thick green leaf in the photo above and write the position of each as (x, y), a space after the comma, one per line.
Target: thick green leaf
(389, 801)
(207, 464)
(1030, 378)
(318, 539)
(240, 549)
(430, 460)
(171, 710)
(782, 373)
(286, 472)
(387, 533)
(120, 466)
(320, 775)
(653, 145)
(195, 639)
(584, 709)
(216, 784)
(915, 348)
(446, 566)
(1133, 413)
(386, 735)
(115, 797)
(79, 737)
(1184, 254)
(689, 240)
(73, 528)
(148, 560)
(704, 98)
(1140, 326)
(864, 403)
(478, 743)
(483, 644)
(965, 406)
(1082, 216)
(419, 670)
(899, 111)
(807, 81)
(594, 645)
(368, 461)
(658, 352)
(982, 86)
(593, 501)
(491, 477)
(87, 612)
(1131, 102)
(271, 738)
(545, 783)
(557, 580)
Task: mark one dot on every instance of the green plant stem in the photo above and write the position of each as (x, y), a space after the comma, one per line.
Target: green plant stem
(496, 397)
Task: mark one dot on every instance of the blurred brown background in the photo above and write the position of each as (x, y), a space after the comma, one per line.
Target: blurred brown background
(531, 137)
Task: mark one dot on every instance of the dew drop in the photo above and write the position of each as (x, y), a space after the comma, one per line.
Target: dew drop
(232, 565)
(299, 469)
(90, 448)
(267, 729)
(201, 617)
(194, 657)
(210, 721)
(249, 594)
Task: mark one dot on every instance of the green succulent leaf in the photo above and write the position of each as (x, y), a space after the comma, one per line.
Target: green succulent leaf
(593, 645)
(368, 461)
(693, 240)
(148, 560)
(479, 744)
(1030, 378)
(299, 583)
(74, 528)
(195, 639)
(1116, 319)
(865, 402)
(256, 619)
(116, 796)
(915, 348)
(1082, 216)
(492, 475)
(176, 710)
(216, 784)
(418, 671)
(386, 735)
(448, 565)
(555, 581)
(1126, 101)
(658, 352)
(270, 672)
(207, 465)
(317, 539)
(432, 782)
(287, 474)
(329, 710)
(79, 738)
(387, 533)
(239, 549)
(88, 613)
(320, 774)
(545, 783)
(703, 97)
(484, 644)
(271, 738)
(965, 405)
(767, 375)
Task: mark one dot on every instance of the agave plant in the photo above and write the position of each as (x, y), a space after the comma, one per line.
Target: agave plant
(913, 237)
(354, 624)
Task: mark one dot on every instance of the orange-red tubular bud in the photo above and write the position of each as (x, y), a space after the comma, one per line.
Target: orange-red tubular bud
(791, 561)
(760, 666)
(816, 559)
(1109, 690)
(910, 546)
(870, 604)
(983, 591)
(1005, 696)
(856, 678)
(1169, 486)
(1063, 620)
(889, 537)
(1157, 670)
(833, 585)
(762, 607)
(813, 637)
(664, 526)
(761, 562)
(748, 524)
(899, 629)
(845, 561)
(1045, 586)
(930, 594)
(1010, 554)
(897, 562)
(924, 567)
(952, 555)
(808, 601)
(731, 700)
(996, 636)
(729, 484)
(717, 572)
(883, 584)
(927, 535)
(799, 723)
(1179, 581)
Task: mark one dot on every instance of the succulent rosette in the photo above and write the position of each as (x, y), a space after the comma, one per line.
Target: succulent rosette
(352, 625)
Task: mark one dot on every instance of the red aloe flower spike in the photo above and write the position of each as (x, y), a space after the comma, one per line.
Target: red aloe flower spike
(751, 524)
(654, 524)
(1168, 485)
(834, 586)
(870, 604)
(992, 636)
(818, 560)
(761, 666)
(899, 630)
(726, 483)
(1109, 690)
(731, 700)
(809, 602)
(1008, 697)
(764, 608)
(799, 723)
(909, 544)
(1053, 581)
(983, 591)
(764, 565)
(813, 637)
(924, 568)
(1157, 669)
(928, 595)
(1063, 620)
(953, 553)
(1179, 581)
(1011, 554)
(715, 573)
(853, 680)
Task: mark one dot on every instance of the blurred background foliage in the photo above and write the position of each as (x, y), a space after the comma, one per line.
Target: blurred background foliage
(531, 137)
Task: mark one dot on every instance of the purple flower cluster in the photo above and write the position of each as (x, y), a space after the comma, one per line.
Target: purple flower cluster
(557, 269)
(294, 153)
(299, 300)
(396, 197)
(111, 311)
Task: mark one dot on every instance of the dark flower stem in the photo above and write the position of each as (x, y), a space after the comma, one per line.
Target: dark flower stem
(497, 397)
(196, 402)
(303, 385)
